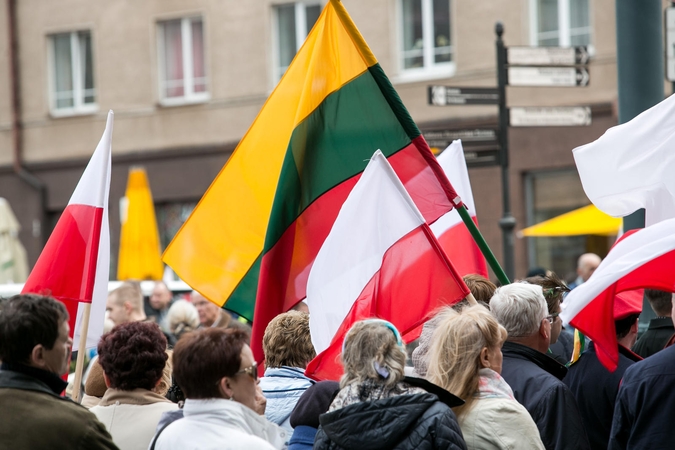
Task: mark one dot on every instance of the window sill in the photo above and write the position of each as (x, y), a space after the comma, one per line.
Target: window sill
(183, 101)
(432, 73)
(74, 112)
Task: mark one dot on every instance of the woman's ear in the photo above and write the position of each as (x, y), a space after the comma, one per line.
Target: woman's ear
(485, 358)
(225, 388)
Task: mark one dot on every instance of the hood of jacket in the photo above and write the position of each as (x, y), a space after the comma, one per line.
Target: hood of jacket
(375, 425)
(235, 415)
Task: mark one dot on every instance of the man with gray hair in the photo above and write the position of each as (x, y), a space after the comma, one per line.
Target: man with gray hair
(536, 379)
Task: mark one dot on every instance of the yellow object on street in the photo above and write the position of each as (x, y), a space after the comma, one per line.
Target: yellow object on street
(139, 257)
(586, 220)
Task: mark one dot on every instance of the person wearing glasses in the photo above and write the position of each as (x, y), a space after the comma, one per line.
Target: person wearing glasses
(536, 379)
(215, 369)
(466, 358)
(377, 407)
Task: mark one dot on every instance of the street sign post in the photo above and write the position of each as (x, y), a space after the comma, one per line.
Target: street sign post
(559, 116)
(481, 147)
(547, 56)
(450, 95)
(548, 76)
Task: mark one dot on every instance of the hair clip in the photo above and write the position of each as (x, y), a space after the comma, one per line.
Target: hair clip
(382, 371)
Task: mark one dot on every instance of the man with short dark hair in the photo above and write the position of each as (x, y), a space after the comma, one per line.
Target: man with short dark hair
(35, 351)
(159, 302)
(594, 387)
(125, 304)
(660, 328)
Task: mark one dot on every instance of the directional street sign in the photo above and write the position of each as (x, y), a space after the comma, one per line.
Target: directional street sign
(449, 95)
(548, 76)
(559, 116)
(547, 56)
(481, 147)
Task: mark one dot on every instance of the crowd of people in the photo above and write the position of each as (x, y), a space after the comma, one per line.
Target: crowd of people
(178, 373)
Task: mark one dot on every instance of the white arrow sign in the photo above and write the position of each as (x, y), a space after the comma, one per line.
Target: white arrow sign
(547, 56)
(548, 76)
(558, 116)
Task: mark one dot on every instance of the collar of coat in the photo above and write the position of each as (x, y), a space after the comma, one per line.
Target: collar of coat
(29, 378)
(133, 397)
(550, 365)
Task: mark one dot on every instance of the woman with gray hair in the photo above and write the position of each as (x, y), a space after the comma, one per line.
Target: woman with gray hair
(377, 407)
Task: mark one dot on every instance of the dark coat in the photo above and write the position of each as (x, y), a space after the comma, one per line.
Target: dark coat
(37, 418)
(645, 405)
(655, 338)
(536, 382)
(417, 421)
(595, 388)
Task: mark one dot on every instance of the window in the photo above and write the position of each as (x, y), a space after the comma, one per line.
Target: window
(425, 35)
(561, 23)
(293, 23)
(72, 73)
(181, 59)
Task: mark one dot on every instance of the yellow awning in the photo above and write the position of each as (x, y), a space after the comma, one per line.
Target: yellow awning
(586, 220)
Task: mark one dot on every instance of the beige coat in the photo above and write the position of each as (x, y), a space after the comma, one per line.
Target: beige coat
(131, 417)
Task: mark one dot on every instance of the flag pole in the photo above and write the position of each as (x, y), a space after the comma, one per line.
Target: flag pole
(471, 299)
(482, 245)
(81, 350)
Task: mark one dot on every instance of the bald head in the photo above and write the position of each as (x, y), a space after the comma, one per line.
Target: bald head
(587, 264)
(125, 304)
(161, 296)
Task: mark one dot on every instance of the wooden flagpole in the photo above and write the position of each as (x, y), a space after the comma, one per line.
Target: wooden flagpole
(469, 298)
(81, 350)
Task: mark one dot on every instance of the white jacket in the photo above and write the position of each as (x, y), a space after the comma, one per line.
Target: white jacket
(131, 417)
(220, 424)
(496, 420)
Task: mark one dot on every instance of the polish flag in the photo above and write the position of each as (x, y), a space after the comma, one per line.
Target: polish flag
(641, 260)
(450, 231)
(379, 260)
(74, 265)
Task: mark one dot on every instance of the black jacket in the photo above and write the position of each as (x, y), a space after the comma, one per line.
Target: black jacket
(645, 406)
(595, 388)
(35, 417)
(536, 382)
(655, 338)
(417, 421)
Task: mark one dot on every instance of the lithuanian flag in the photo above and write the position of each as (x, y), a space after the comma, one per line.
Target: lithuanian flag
(252, 239)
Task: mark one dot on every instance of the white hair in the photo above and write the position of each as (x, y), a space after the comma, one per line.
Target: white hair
(520, 308)
(182, 314)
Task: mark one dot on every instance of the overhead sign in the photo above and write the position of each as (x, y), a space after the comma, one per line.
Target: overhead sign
(548, 76)
(670, 43)
(559, 116)
(443, 138)
(481, 158)
(450, 95)
(547, 56)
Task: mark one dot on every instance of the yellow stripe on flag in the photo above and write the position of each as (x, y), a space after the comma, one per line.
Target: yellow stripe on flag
(225, 234)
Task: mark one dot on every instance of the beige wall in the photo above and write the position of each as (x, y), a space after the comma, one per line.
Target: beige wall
(239, 56)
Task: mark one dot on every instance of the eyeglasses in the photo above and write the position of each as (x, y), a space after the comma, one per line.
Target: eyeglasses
(551, 318)
(250, 371)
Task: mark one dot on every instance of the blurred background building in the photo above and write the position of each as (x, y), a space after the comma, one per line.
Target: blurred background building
(186, 78)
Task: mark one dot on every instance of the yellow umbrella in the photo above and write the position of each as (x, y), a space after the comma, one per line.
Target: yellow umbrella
(139, 256)
(586, 220)
(13, 261)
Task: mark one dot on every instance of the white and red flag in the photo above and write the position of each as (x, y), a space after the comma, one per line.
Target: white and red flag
(74, 265)
(379, 260)
(631, 165)
(450, 230)
(643, 259)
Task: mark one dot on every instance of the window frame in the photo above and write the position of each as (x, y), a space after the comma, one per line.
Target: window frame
(564, 25)
(300, 27)
(189, 96)
(431, 70)
(79, 107)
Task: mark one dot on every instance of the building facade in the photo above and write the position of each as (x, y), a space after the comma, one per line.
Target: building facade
(186, 79)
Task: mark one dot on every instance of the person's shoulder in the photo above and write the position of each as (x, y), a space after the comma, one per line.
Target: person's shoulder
(659, 364)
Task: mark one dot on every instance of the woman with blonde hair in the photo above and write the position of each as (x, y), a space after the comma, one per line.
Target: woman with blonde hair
(466, 359)
(377, 407)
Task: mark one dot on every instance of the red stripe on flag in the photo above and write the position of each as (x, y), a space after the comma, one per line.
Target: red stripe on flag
(66, 268)
(285, 267)
(462, 250)
(415, 279)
